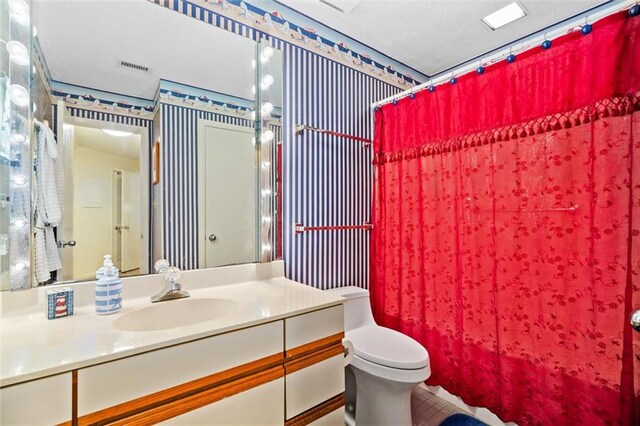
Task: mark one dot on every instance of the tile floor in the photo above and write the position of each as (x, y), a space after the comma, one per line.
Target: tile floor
(429, 410)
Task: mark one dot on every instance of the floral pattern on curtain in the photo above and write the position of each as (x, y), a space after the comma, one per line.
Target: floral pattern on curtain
(512, 252)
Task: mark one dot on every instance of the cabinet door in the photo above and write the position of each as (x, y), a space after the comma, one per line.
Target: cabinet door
(39, 402)
(314, 384)
(262, 405)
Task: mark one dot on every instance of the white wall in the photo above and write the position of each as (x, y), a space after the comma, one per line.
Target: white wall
(92, 225)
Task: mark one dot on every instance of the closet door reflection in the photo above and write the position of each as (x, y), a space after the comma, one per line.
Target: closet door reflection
(126, 217)
(106, 217)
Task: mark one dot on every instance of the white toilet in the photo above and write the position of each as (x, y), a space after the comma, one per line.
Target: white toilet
(387, 364)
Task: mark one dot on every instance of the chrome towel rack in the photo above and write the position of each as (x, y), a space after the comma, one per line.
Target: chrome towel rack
(300, 128)
(299, 228)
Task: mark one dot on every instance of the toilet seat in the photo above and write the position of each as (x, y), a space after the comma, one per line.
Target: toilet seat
(388, 348)
(392, 374)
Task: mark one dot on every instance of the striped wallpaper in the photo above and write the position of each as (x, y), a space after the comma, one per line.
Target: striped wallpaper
(179, 180)
(327, 179)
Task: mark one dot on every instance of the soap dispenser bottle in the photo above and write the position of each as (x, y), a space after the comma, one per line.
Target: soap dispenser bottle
(108, 290)
(107, 263)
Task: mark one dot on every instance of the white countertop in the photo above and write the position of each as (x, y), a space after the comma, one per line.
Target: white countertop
(34, 347)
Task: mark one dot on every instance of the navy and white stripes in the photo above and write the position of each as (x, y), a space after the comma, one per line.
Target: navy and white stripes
(327, 179)
(179, 180)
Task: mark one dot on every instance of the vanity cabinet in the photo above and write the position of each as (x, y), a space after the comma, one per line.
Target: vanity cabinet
(314, 366)
(286, 372)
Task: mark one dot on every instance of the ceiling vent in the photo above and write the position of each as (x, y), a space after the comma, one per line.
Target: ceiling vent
(132, 66)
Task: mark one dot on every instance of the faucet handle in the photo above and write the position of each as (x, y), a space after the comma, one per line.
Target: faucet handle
(161, 266)
(172, 275)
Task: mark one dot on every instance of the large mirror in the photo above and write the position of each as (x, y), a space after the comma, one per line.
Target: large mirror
(156, 135)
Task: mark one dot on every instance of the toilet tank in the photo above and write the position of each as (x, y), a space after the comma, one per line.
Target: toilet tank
(357, 307)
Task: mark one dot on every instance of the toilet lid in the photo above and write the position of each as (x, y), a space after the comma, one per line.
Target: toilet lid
(387, 347)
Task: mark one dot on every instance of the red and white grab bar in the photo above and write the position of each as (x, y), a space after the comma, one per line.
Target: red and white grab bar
(300, 228)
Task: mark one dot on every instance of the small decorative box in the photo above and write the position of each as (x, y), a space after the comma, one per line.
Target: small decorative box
(59, 303)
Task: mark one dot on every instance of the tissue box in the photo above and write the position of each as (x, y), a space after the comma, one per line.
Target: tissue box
(59, 303)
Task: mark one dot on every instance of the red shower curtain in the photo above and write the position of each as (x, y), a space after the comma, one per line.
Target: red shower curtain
(507, 230)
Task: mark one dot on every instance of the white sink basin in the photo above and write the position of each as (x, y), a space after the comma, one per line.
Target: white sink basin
(174, 313)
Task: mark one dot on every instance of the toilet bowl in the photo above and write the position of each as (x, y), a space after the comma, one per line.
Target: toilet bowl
(387, 365)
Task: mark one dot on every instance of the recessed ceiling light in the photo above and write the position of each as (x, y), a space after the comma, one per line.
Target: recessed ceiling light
(504, 16)
(344, 6)
(118, 133)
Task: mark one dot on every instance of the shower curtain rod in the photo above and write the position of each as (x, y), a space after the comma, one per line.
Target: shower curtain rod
(514, 48)
(300, 128)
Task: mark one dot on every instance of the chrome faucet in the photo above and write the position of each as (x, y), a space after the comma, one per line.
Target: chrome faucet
(173, 289)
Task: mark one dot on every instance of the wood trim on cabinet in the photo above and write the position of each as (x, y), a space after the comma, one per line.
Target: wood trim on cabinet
(314, 346)
(74, 397)
(313, 358)
(218, 385)
(316, 412)
(200, 399)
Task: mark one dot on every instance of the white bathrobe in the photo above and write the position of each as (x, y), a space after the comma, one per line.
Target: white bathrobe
(49, 185)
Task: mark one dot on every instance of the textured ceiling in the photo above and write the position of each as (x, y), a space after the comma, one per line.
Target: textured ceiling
(434, 35)
(83, 41)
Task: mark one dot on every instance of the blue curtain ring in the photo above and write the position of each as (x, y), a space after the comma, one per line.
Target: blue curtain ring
(395, 102)
(586, 29)
(376, 108)
(546, 44)
(432, 88)
(453, 80)
(511, 58)
(635, 10)
(480, 70)
(412, 95)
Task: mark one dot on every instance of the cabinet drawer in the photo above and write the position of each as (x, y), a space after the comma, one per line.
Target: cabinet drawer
(317, 325)
(116, 382)
(314, 384)
(258, 406)
(51, 396)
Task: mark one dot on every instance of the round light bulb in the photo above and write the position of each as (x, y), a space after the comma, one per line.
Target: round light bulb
(267, 52)
(266, 247)
(267, 137)
(267, 80)
(266, 192)
(20, 266)
(19, 95)
(267, 107)
(263, 86)
(19, 180)
(265, 164)
(20, 223)
(266, 219)
(19, 138)
(19, 7)
(18, 53)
